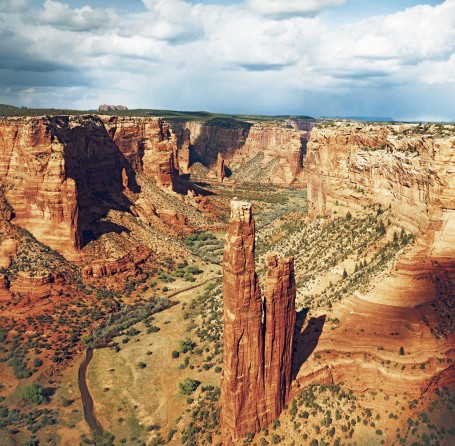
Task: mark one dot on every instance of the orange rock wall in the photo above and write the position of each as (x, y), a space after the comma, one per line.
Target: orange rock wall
(62, 173)
(409, 168)
(239, 142)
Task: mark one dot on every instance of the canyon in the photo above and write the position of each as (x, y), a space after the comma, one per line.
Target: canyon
(103, 214)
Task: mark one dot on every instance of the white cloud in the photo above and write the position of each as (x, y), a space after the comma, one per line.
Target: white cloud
(13, 5)
(290, 8)
(231, 58)
(171, 20)
(86, 18)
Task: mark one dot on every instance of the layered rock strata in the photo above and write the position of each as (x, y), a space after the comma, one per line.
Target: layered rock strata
(411, 169)
(280, 318)
(63, 174)
(408, 167)
(279, 147)
(257, 338)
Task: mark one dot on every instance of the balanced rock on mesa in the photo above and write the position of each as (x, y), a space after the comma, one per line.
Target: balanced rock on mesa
(257, 337)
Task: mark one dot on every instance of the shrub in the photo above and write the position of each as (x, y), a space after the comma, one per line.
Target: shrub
(34, 393)
(188, 386)
(186, 345)
(175, 354)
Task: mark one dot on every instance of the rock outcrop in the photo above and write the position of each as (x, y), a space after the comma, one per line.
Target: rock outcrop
(105, 107)
(277, 147)
(257, 347)
(408, 167)
(220, 168)
(110, 267)
(411, 170)
(280, 318)
(63, 174)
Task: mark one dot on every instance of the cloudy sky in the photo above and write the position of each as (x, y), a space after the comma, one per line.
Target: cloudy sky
(318, 57)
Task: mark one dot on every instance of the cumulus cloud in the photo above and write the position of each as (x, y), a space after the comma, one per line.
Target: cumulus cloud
(282, 9)
(13, 5)
(86, 18)
(175, 21)
(239, 58)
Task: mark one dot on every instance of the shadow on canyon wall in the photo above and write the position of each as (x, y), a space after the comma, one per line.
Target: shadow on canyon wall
(100, 171)
(219, 135)
(305, 341)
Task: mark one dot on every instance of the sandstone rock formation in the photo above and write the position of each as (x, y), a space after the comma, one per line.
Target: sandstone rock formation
(280, 318)
(278, 147)
(257, 349)
(65, 173)
(404, 166)
(411, 169)
(220, 168)
(110, 267)
(105, 107)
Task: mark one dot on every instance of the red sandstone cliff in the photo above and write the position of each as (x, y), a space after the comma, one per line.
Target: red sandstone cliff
(243, 399)
(257, 354)
(278, 147)
(62, 174)
(148, 145)
(408, 167)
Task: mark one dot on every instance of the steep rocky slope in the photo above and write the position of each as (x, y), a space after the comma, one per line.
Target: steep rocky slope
(410, 170)
(262, 152)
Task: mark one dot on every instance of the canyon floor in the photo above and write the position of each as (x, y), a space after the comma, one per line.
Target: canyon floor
(374, 341)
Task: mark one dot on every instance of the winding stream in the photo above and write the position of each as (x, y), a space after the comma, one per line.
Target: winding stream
(87, 400)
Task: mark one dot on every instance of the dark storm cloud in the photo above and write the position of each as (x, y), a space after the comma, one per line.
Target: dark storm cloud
(17, 53)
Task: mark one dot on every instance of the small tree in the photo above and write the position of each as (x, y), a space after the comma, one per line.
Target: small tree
(188, 386)
(401, 352)
(34, 393)
(345, 274)
(186, 345)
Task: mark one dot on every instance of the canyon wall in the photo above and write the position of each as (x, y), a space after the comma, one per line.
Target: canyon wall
(277, 146)
(410, 168)
(63, 174)
(257, 339)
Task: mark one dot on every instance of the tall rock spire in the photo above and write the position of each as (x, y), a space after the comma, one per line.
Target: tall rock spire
(242, 387)
(279, 334)
(257, 347)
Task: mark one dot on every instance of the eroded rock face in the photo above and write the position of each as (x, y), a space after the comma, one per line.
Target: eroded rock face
(407, 167)
(280, 318)
(220, 168)
(243, 392)
(148, 144)
(115, 266)
(64, 173)
(257, 354)
(279, 147)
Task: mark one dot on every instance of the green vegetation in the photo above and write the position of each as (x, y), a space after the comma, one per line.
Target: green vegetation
(206, 246)
(188, 386)
(34, 393)
(326, 243)
(169, 115)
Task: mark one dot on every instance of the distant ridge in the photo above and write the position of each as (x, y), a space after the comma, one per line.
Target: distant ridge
(362, 118)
